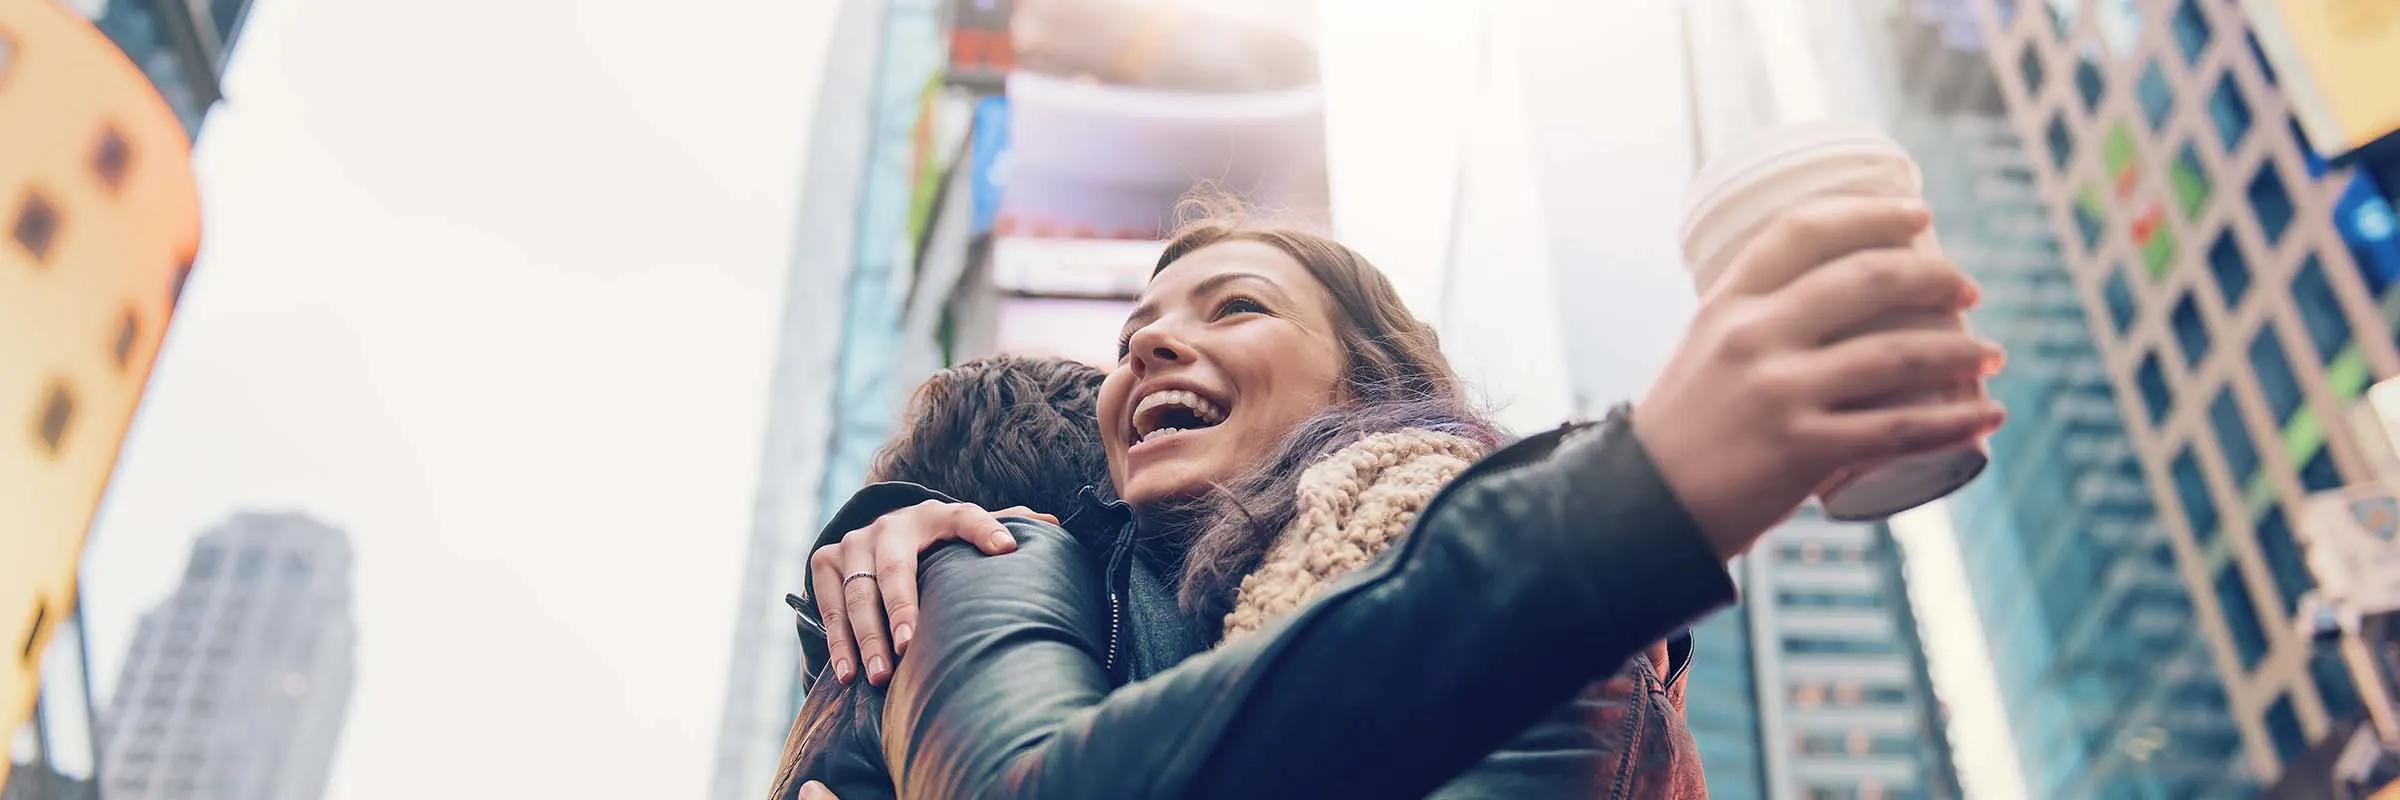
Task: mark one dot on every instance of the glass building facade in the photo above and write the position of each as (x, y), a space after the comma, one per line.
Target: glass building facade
(1815, 686)
(2233, 309)
(2107, 689)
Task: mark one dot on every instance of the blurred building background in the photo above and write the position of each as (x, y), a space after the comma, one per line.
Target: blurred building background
(2195, 297)
(237, 684)
(182, 48)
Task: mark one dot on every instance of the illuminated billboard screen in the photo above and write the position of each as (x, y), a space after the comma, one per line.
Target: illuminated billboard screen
(99, 220)
(2335, 61)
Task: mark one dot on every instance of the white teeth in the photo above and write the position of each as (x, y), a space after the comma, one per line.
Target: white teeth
(1207, 412)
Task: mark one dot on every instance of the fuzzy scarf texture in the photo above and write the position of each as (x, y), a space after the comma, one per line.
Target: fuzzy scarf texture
(1352, 504)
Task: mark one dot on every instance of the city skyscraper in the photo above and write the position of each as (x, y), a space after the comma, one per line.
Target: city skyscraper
(2238, 292)
(2106, 688)
(237, 684)
(1816, 685)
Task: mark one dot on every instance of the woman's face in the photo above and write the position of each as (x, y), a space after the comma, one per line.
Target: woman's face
(1233, 345)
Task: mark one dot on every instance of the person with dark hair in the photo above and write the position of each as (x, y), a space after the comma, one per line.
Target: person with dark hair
(1002, 431)
(1276, 421)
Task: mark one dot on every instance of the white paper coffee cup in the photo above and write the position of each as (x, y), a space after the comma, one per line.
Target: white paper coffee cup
(1737, 194)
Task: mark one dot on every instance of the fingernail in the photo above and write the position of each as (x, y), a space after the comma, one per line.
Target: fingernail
(875, 668)
(1001, 539)
(1913, 206)
(900, 635)
(841, 670)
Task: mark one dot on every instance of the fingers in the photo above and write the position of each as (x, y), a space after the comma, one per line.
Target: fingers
(1819, 232)
(1858, 437)
(813, 790)
(1870, 289)
(969, 523)
(825, 582)
(1876, 368)
(896, 578)
(865, 605)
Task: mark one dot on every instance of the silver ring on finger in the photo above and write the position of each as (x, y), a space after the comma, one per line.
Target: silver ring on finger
(867, 574)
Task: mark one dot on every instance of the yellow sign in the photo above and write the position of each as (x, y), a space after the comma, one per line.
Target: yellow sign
(2335, 61)
(99, 220)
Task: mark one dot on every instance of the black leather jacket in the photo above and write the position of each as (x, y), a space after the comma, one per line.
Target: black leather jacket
(1551, 563)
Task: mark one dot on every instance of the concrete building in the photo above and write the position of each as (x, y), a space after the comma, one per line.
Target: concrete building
(237, 684)
(2238, 292)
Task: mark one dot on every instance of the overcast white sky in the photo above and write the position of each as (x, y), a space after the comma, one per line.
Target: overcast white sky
(492, 286)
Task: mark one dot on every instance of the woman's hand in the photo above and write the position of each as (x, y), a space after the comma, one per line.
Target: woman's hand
(1767, 395)
(813, 790)
(872, 574)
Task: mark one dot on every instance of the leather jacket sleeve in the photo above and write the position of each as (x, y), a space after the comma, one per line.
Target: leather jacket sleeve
(1544, 567)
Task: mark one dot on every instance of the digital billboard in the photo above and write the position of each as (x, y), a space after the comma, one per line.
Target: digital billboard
(2335, 60)
(99, 221)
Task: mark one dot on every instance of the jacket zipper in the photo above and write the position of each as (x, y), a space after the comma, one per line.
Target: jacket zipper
(1116, 606)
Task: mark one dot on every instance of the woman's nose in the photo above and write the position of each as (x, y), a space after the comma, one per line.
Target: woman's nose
(1155, 346)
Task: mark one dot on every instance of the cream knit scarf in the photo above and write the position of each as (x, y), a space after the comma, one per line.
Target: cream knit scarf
(1352, 504)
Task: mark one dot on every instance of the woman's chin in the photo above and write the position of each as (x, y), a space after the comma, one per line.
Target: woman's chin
(1148, 491)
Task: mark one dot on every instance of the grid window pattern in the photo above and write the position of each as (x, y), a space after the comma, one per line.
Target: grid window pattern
(2246, 204)
(2233, 438)
(2241, 616)
(2229, 267)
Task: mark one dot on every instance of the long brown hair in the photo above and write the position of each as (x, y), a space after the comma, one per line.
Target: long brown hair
(1397, 378)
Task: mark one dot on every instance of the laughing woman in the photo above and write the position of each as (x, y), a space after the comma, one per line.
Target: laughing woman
(1382, 606)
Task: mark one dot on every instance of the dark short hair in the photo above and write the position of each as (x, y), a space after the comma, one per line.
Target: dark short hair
(1002, 431)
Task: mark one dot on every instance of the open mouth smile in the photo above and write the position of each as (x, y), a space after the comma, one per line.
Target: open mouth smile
(1171, 411)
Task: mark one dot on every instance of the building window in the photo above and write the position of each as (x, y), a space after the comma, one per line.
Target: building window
(2233, 437)
(2158, 99)
(2274, 373)
(2230, 112)
(2270, 203)
(111, 158)
(2284, 561)
(2190, 181)
(2241, 616)
(204, 563)
(2319, 474)
(1831, 646)
(2156, 239)
(2062, 144)
(2334, 684)
(1814, 599)
(2089, 214)
(129, 331)
(2121, 305)
(2155, 394)
(2029, 63)
(2190, 331)
(2232, 270)
(2089, 84)
(2283, 726)
(2320, 310)
(2266, 69)
(2199, 508)
(248, 565)
(2191, 30)
(36, 228)
(57, 413)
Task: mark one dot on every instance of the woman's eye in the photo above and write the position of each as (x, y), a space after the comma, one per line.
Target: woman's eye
(1240, 305)
(1124, 346)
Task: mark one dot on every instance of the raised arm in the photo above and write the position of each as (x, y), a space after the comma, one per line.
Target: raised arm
(1514, 591)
